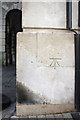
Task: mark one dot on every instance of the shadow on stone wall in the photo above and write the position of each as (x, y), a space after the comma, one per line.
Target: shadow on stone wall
(26, 96)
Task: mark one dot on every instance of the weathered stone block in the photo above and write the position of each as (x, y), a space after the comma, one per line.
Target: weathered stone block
(45, 67)
(48, 14)
(44, 14)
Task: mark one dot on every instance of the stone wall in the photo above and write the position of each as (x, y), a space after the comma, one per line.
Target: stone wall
(6, 7)
(0, 33)
(48, 15)
(45, 63)
(46, 56)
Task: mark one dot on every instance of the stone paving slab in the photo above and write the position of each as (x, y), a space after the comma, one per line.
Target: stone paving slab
(67, 115)
(9, 82)
(63, 116)
(76, 116)
(8, 112)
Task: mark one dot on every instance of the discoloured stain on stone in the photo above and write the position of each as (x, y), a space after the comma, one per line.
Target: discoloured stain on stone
(25, 95)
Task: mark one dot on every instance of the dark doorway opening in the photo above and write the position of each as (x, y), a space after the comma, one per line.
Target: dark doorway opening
(13, 25)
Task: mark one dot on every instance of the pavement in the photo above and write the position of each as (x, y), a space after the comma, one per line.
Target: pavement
(9, 89)
(9, 82)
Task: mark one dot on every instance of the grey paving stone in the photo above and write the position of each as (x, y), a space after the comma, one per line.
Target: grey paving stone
(33, 116)
(50, 117)
(59, 116)
(41, 116)
(14, 118)
(41, 119)
(9, 82)
(76, 116)
(25, 118)
(7, 113)
(66, 115)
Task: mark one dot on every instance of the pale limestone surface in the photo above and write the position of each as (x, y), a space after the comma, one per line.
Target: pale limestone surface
(45, 65)
(0, 28)
(43, 14)
(48, 14)
(75, 15)
(48, 0)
